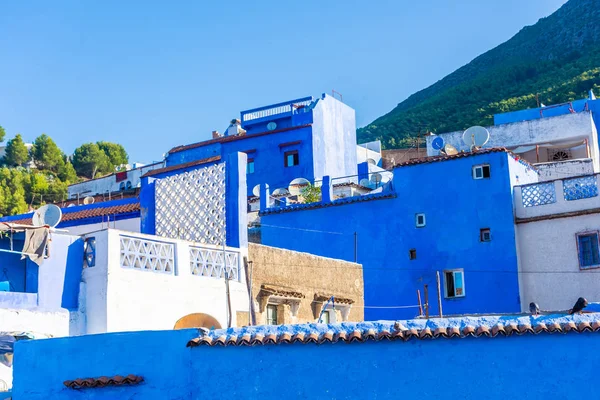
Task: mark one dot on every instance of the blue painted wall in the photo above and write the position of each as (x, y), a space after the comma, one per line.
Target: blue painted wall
(456, 207)
(327, 146)
(524, 367)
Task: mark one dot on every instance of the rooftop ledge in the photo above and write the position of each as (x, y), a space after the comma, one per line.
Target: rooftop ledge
(473, 326)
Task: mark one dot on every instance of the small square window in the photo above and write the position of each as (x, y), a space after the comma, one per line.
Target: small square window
(412, 254)
(271, 314)
(291, 158)
(481, 172)
(420, 220)
(250, 166)
(485, 235)
(454, 283)
(587, 246)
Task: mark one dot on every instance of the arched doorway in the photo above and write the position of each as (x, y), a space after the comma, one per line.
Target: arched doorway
(197, 320)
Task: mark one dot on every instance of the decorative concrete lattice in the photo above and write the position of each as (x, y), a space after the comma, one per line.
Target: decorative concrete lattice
(538, 195)
(209, 262)
(191, 205)
(147, 255)
(580, 188)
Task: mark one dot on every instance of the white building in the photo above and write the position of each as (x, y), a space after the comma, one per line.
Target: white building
(558, 224)
(559, 147)
(113, 183)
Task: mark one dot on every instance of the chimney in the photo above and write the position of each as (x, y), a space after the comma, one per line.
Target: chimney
(216, 134)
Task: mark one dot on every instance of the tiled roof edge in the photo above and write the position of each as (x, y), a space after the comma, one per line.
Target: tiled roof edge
(398, 332)
(182, 166)
(103, 381)
(338, 202)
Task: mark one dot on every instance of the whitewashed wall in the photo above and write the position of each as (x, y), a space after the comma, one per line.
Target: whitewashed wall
(549, 264)
(109, 183)
(559, 170)
(128, 299)
(538, 131)
(130, 225)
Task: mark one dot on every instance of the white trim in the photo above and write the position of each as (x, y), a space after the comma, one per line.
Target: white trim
(454, 271)
(417, 224)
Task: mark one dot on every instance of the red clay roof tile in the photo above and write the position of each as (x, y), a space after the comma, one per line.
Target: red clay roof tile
(103, 381)
(181, 166)
(90, 213)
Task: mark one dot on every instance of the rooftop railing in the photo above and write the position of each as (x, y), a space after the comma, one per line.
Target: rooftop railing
(276, 109)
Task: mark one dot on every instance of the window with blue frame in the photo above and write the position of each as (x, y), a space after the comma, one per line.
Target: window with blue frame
(250, 166)
(587, 245)
(454, 282)
(291, 158)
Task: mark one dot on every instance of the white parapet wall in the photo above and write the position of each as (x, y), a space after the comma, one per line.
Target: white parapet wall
(145, 282)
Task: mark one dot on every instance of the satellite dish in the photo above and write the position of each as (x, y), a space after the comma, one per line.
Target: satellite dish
(476, 136)
(437, 143)
(371, 161)
(89, 200)
(450, 150)
(376, 177)
(297, 185)
(364, 182)
(47, 215)
(256, 191)
(280, 192)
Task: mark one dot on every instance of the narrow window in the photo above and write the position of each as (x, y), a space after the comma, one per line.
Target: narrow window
(587, 245)
(412, 254)
(485, 235)
(420, 220)
(481, 172)
(454, 283)
(291, 158)
(271, 314)
(325, 317)
(250, 166)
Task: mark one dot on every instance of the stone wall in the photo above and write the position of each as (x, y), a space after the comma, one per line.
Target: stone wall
(297, 283)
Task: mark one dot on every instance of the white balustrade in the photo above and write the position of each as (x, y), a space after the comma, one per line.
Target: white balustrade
(213, 263)
(147, 255)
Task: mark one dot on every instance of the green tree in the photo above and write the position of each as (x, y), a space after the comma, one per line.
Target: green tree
(116, 153)
(46, 154)
(2, 133)
(311, 194)
(67, 173)
(89, 160)
(16, 152)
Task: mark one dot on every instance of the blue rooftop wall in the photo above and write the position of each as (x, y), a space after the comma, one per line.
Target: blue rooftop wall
(322, 131)
(524, 366)
(456, 207)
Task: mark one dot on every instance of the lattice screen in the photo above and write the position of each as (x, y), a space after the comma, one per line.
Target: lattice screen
(191, 205)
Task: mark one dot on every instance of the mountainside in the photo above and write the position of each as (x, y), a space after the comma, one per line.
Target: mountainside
(558, 59)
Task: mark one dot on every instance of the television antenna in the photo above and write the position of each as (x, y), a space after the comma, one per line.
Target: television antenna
(49, 214)
(476, 137)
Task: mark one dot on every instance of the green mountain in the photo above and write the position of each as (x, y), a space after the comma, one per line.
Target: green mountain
(553, 61)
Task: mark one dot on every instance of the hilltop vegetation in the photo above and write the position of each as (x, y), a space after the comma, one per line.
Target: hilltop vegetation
(32, 177)
(556, 60)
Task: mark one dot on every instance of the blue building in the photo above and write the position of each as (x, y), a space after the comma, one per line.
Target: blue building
(303, 138)
(446, 214)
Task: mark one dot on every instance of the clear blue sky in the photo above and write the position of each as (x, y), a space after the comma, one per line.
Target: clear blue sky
(155, 74)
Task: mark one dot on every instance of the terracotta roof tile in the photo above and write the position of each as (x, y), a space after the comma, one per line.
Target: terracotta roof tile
(181, 166)
(225, 139)
(385, 330)
(432, 159)
(103, 381)
(87, 213)
(271, 290)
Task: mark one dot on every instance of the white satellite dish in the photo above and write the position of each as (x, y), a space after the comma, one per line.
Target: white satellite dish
(47, 215)
(364, 182)
(376, 177)
(371, 161)
(476, 136)
(89, 200)
(295, 187)
(280, 192)
(256, 191)
(450, 150)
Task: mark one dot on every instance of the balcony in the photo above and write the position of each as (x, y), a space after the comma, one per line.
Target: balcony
(563, 196)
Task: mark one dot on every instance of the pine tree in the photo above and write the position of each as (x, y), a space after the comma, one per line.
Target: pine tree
(16, 152)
